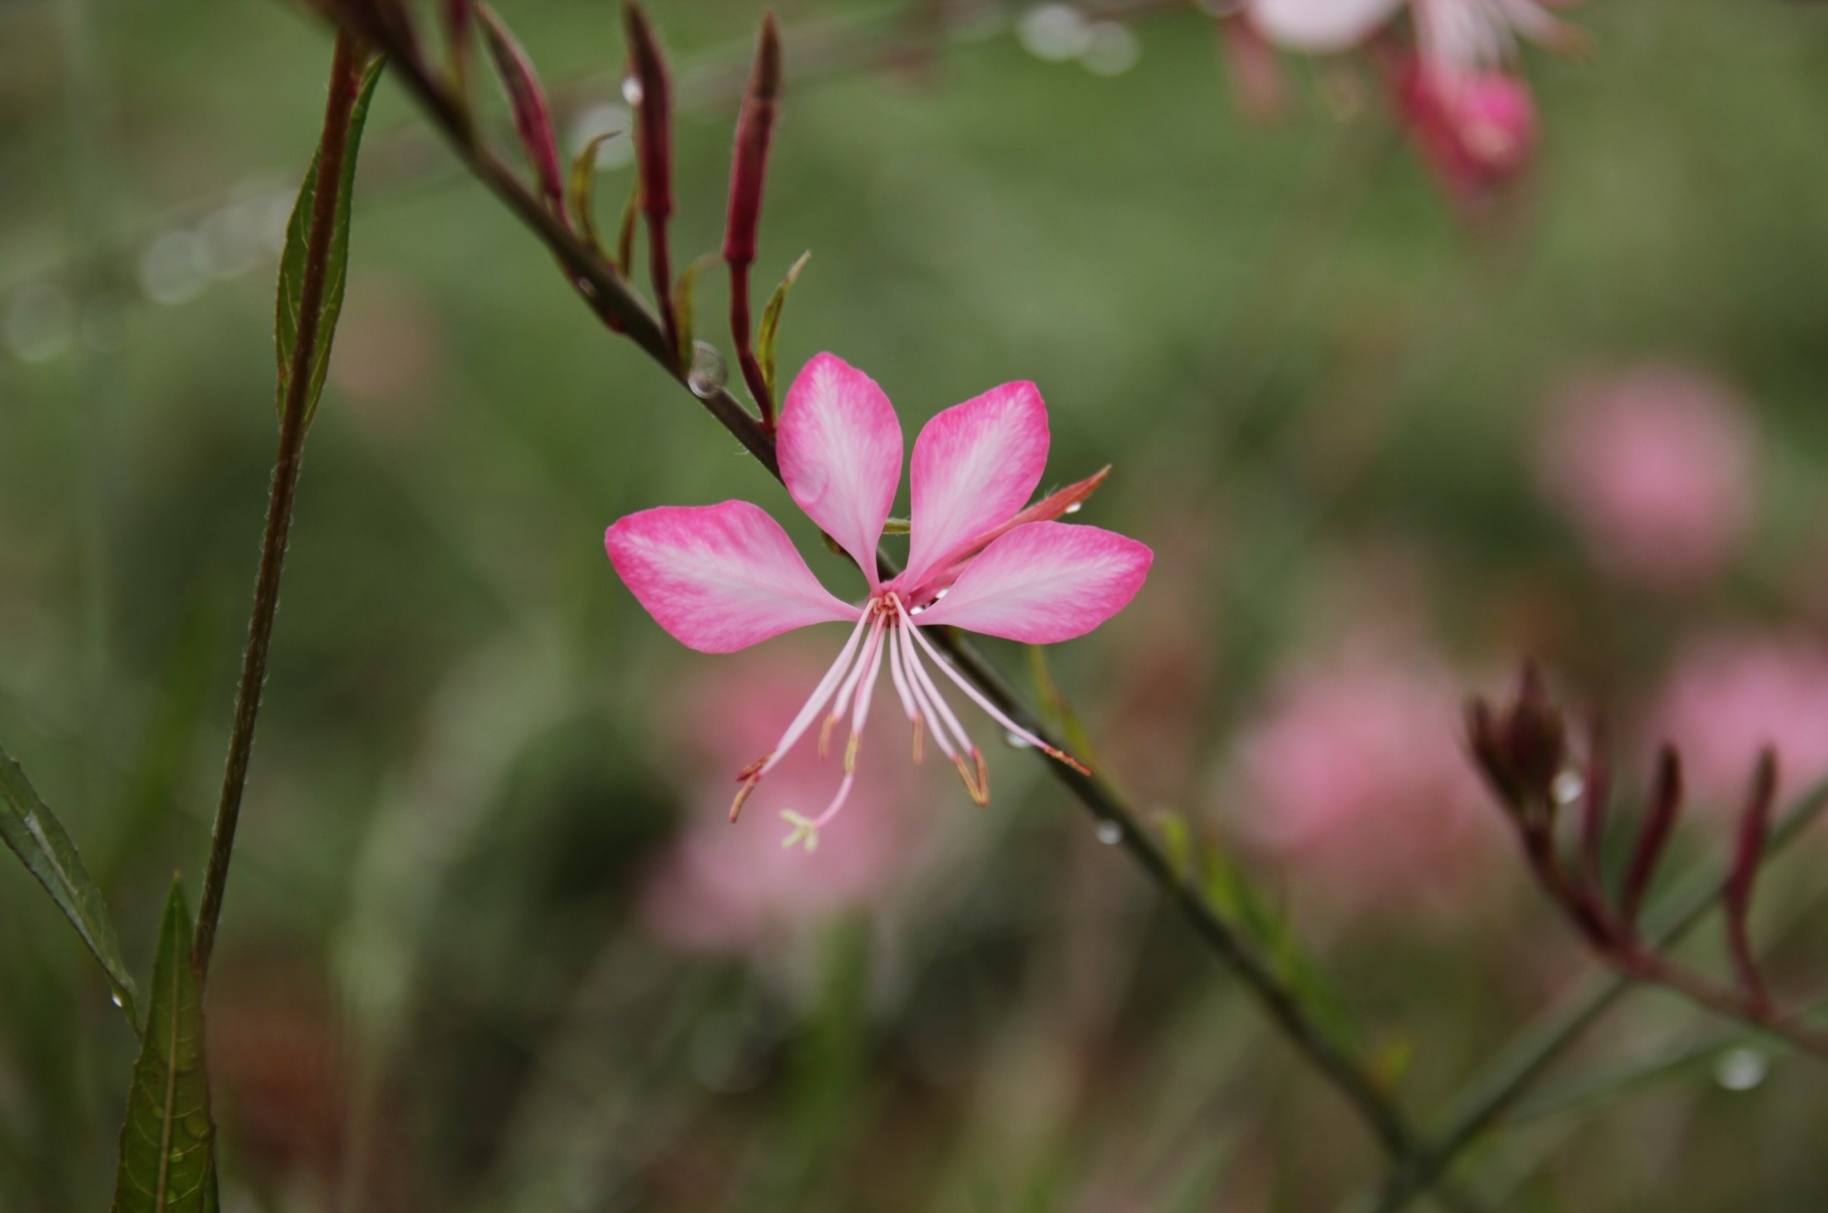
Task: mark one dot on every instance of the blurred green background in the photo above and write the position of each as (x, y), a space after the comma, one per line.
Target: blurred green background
(1322, 391)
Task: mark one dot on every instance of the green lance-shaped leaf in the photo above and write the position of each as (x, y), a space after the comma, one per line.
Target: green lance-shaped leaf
(683, 307)
(292, 260)
(771, 320)
(35, 835)
(580, 190)
(168, 1142)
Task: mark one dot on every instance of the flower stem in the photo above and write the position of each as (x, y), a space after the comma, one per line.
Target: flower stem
(345, 85)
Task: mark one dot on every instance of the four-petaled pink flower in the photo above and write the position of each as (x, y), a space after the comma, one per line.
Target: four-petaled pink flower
(723, 577)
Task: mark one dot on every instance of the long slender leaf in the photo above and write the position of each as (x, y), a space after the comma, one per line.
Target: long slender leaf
(292, 260)
(168, 1141)
(771, 320)
(36, 836)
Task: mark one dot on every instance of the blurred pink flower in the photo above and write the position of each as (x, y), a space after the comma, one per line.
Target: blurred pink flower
(1656, 465)
(1476, 131)
(1356, 780)
(1729, 696)
(1452, 36)
(731, 886)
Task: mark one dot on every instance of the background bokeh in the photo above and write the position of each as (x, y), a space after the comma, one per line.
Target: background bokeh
(481, 950)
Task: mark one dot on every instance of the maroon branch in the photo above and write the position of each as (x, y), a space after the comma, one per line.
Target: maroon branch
(1522, 750)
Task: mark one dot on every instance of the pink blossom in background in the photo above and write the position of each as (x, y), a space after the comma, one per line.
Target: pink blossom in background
(1656, 465)
(1727, 697)
(1476, 131)
(1355, 779)
(732, 887)
(1453, 37)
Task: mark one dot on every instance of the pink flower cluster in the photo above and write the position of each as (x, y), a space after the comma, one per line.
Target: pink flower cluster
(1355, 779)
(1730, 695)
(1656, 465)
(1471, 118)
(732, 887)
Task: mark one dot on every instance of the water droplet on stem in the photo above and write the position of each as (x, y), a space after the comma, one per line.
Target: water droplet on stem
(709, 372)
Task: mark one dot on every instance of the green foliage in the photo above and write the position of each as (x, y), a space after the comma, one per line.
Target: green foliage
(34, 834)
(292, 261)
(771, 321)
(168, 1141)
(580, 189)
(685, 308)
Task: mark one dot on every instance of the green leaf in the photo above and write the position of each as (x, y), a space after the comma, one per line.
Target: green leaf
(625, 234)
(168, 1142)
(771, 320)
(580, 190)
(683, 310)
(292, 260)
(36, 836)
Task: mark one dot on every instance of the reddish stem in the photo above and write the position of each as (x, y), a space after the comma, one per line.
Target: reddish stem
(1665, 804)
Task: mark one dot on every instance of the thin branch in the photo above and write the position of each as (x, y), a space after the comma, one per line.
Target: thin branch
(345, 84)
(610, 297)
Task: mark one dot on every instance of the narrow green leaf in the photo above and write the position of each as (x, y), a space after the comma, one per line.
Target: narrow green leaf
(292, 260)
(168, 1141)
(771, 320)
(580, 190)
(35, 835)
(683, 310)
(625, 235)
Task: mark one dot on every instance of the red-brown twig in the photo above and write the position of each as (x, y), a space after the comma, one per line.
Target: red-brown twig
(1521, 752)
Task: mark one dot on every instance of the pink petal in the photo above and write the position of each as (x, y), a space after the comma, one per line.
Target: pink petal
(840, 451)
(1044, 583)
(975, 465)
(719, 577)
(1319, 25)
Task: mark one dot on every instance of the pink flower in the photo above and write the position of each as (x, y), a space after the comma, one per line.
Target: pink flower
(1454, 37)
(1656, 466)
(723, 577)
(1475, 130)
(1728, 697)
(1356, 779)
(720, 888)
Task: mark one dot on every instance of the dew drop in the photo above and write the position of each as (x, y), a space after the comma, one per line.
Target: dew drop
(1055, 32)
(1741, 1069)
(1074, 508)
(1110, 833)
(115, 999)
(708, 374)
(1567, 787)
(1016, 741)
(631, 90)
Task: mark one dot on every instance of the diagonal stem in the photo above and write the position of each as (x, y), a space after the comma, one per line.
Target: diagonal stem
(609, 296)
(345, 84)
